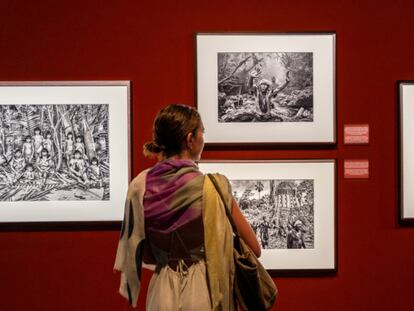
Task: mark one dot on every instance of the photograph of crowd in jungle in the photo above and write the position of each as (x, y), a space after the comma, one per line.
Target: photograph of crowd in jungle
(281, 212)
(54, 152)
(265, 87)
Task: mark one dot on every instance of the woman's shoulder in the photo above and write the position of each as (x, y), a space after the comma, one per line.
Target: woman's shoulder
(138, 182)
(219, 177)
(222, 181)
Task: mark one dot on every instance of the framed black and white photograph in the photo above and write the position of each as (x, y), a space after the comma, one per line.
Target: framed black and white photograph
(267, 88)
(290, 206)
(64, 151)
(406, 150)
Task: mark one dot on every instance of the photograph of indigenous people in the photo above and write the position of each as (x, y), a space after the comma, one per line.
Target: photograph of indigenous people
(265, 87)
(281, 212)
(54, 152)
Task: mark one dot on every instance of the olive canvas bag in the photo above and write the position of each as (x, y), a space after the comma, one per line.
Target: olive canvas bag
(254, 288)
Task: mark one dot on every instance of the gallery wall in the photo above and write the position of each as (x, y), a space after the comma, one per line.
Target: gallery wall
(151, 43)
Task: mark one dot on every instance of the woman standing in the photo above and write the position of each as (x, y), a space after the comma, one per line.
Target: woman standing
(175, 219)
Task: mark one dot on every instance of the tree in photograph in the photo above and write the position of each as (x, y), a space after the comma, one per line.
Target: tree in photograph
(259, 187)
(245, 199)
(273, 202)
(234, 70)
(305, 189)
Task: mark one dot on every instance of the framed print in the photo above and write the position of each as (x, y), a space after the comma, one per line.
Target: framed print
(406, 150)
(290, 206)
(64, 151)
(267, 88)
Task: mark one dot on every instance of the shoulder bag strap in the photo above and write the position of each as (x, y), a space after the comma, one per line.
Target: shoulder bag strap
(226, 208)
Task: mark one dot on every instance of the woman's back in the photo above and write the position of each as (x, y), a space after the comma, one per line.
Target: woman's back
(175, 235)
(173, 213)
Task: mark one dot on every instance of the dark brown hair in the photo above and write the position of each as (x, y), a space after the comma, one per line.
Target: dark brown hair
(170, 129)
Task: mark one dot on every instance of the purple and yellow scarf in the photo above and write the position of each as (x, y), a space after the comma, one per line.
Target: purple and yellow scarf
(173, 195)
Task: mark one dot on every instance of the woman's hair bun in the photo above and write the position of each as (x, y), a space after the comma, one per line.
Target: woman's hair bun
(151, 148)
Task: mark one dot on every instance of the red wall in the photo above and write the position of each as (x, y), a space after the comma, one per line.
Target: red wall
(151, 43)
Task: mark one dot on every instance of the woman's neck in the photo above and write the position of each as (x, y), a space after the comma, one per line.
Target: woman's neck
(184, 155)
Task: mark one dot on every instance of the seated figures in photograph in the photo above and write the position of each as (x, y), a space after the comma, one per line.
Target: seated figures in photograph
(80, 146)
(265, 90)
(44, 165)
(176, 220)
(29, 175)
(94, 173)
(18, 163)
(77, 167)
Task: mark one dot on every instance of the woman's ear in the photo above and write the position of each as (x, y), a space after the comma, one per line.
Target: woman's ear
(189, 140)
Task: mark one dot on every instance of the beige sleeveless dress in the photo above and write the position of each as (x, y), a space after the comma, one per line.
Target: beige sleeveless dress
(183, 289)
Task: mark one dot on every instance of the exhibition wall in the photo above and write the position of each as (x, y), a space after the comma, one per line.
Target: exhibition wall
(152, 45)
